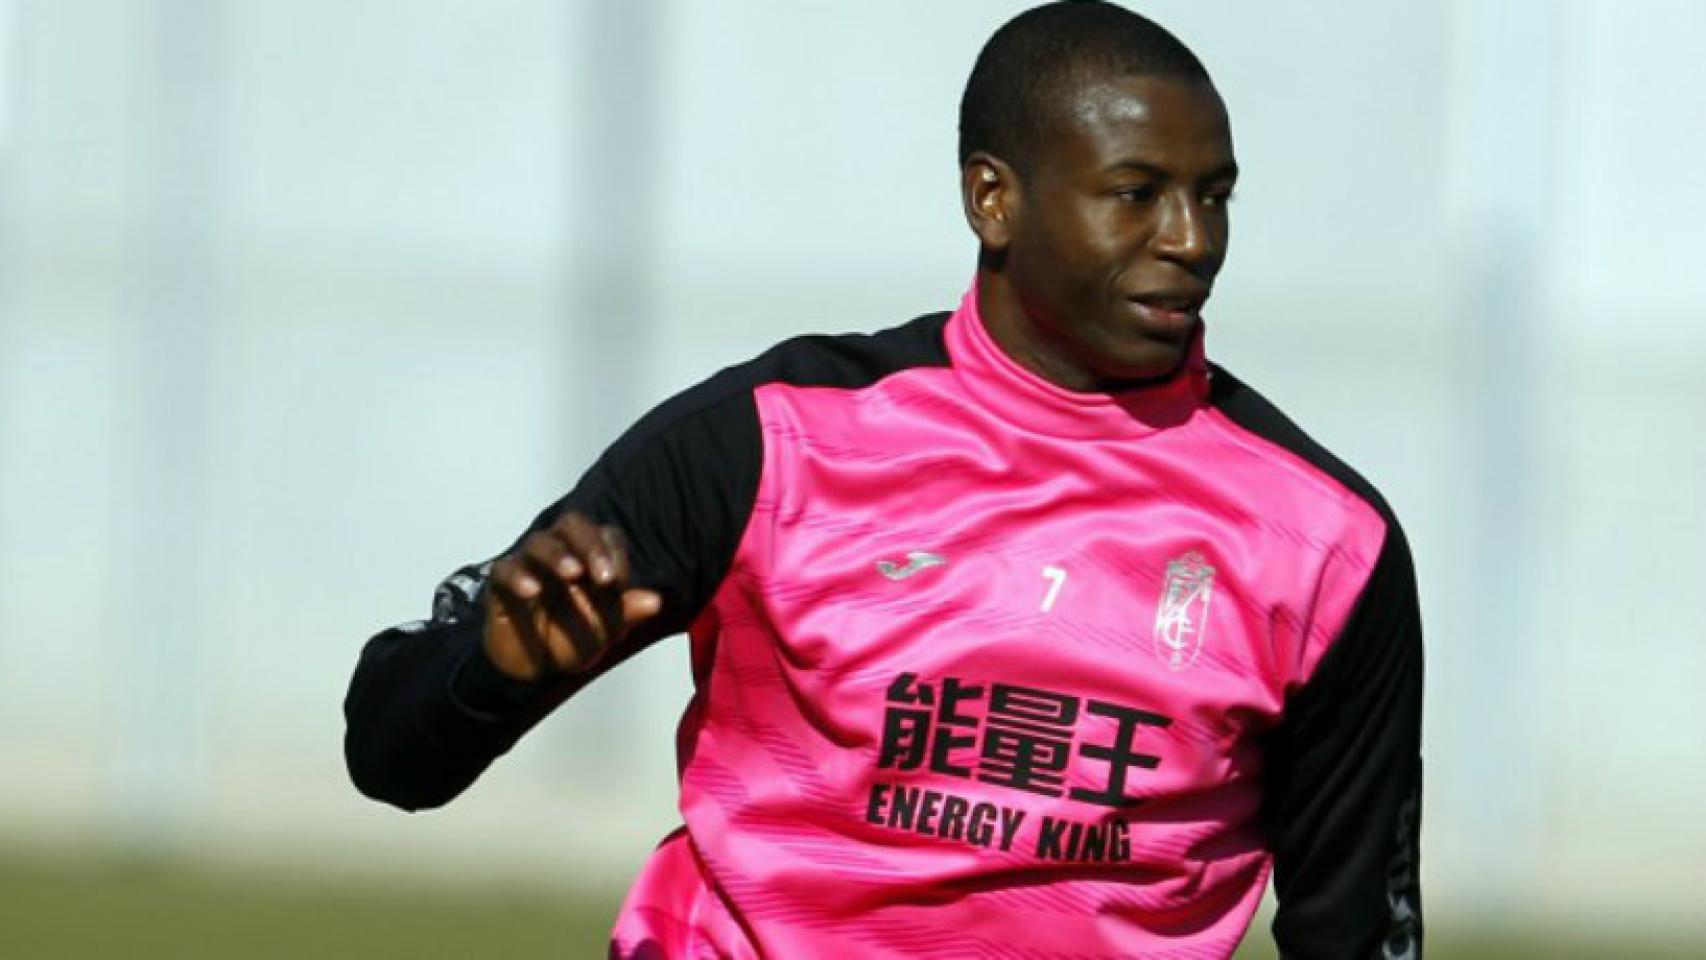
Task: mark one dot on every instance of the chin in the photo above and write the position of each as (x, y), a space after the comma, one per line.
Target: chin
(1147, 361)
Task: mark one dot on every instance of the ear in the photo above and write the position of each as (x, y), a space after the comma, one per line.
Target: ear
(990, 192)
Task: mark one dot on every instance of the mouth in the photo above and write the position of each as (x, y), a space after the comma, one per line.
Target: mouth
(1170, 312)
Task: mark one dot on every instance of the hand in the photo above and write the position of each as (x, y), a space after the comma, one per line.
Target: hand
(561, 598)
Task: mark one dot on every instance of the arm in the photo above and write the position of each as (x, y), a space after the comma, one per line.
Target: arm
(429, 709)
(1344, 798)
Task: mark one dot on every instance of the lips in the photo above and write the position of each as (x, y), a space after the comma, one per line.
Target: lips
(1174, 312)
(1180, 300)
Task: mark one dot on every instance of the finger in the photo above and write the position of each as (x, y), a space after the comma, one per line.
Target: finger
(640, 605)
(616, 547)
(510, 576)
(517, 615)
(616, 600)
(610, 613)
(587, 542)
(582, 632)
(549, 556)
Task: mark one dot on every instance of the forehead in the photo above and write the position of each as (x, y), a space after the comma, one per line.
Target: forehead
(1166, 122)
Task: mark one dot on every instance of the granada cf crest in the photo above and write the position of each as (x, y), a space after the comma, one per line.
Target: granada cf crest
(1181, 618)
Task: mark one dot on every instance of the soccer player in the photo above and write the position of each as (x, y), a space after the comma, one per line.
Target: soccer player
(1020, 630)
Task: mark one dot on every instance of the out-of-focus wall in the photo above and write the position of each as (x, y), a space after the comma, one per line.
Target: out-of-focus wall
(303, 305)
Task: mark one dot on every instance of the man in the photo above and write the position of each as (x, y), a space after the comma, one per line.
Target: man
(1020, 631)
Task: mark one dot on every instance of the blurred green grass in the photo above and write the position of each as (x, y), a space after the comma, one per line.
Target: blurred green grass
(145, 908)
(78, 907)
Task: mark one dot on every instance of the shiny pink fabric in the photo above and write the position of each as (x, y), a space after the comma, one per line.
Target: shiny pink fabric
(794, 843)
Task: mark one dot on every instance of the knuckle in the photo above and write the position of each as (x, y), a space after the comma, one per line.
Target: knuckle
(618, 555)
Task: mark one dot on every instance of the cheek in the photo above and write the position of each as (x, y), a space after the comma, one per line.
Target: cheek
(1069, 262)
(1042, 262)
(1116, 237)
(1091, 249)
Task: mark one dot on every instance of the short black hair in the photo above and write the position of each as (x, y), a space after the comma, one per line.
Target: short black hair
(1046, 51)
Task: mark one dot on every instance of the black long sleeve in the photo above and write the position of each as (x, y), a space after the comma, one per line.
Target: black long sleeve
(1345, 783)
(427, 712)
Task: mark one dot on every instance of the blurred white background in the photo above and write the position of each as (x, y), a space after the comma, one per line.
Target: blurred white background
(302, 305)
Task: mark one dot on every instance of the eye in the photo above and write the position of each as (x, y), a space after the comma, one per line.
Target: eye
(1219, 198)
(1136, 193)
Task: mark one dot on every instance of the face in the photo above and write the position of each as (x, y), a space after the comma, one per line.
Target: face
(1098, 262)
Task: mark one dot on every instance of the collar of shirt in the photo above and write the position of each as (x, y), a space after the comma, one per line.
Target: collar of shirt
(1009, 391)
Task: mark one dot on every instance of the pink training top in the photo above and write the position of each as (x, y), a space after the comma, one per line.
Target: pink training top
(984, 668)
(988, 674)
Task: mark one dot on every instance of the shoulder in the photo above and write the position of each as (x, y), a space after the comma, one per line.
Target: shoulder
(1264, 425)
(1362, 575)
(724, 400)
(849, 359)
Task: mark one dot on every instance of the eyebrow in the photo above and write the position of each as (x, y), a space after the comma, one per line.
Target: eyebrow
(1228, 171)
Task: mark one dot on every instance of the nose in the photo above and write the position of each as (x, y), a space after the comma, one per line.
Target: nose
(1184, 233)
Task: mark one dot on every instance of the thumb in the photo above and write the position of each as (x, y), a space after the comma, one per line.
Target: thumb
(639, 605)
